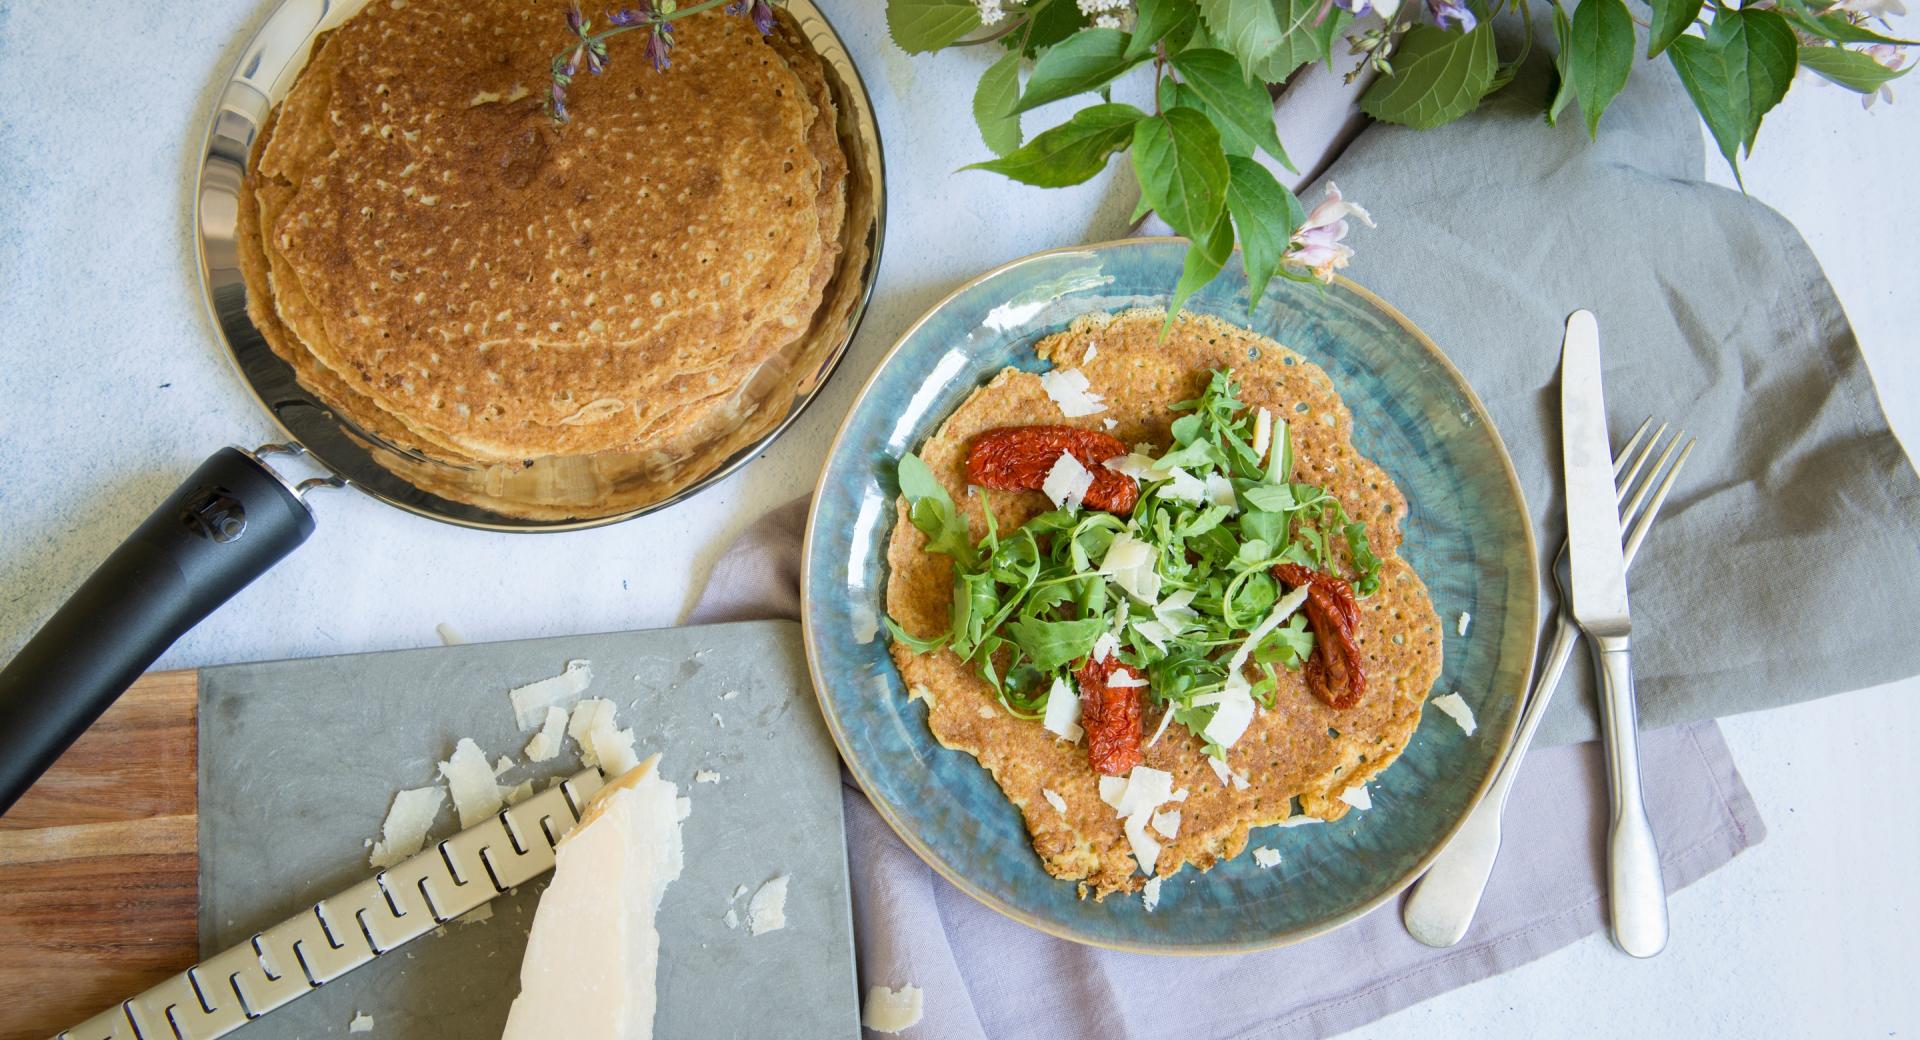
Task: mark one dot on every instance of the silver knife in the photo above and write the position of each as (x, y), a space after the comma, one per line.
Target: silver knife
(1637, 897)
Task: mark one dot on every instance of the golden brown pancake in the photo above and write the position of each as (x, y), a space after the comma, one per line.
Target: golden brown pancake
(1289, 753)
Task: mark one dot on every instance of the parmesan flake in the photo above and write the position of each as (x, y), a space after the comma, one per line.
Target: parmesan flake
(405, 829)
(1069, 390)
(1150, 895)
(1358, 797)
(1458, 710)
(1068, 482)
(891, 1011)
(1059, 804)
(530, 702)
(1266, 857)
(767, 912)
(1062, 718)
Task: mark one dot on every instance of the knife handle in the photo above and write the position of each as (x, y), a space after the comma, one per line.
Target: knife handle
(220, 529)
(1637, 896)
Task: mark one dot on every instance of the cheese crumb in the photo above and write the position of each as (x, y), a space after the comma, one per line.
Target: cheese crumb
(732, 919)
(739, 891)
(1266, 857)
(1069, 390)
(1457, 709)
(1167, 823)
(1093, 351)
(405, 828)
(1068, 482)
(1358, 797)
(520, 793)
(546, 743)
(362, 1023)
(986, 711)
(1110, 423)
(729, 695)
(889, 1010)
(866, 624)
(718, 721)
(768, 910)
(1150, 895)
(502, 765)
(1059, 804)
(448, 637)
(1300, 820)
(530, 702)
(706, 776)
(471, 780)
(1461, 625)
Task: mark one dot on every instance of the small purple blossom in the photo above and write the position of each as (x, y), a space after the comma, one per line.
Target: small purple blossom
(759, 11)
(630, 16)
(660, 46)
(557, 102)
(577, 23)
(1453, 14)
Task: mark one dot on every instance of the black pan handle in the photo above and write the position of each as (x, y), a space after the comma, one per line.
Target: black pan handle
(225, 526)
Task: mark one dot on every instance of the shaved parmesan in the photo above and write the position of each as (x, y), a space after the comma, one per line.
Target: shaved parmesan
(520, 793)
(767, 912)
(1165, 717)
(406, 826)
(530, 702)
(602, 742)
(1068, 482)
(1059, 804)
(706, 776)
(1147, 789)
(1280, 612)
(1226, 775)
(890, 1011)
(1154, 632)
(1063, 712)
(1299, 821)
(1262, 433)
(362, 1022)
(501, 765)
(1176, 611)
(916, 692)
(1266, 857)
(1069, 390)
(1357, 797)
(738, 891)
(1106, 646)
(732, 919)
(1465, 619)
(1457, 709)
(1140, 466)
(1220, 492)
(1125, 680)
(1167, 823)
(1150, 895)
(1111, 788)
(475, 794)
(1130, 564)
(546, 743)
(1146, 851)
(1184, 486)
(1233, 714)
(866, 624)
(1178, 796)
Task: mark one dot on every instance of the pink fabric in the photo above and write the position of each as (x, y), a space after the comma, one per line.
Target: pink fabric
(985, 976)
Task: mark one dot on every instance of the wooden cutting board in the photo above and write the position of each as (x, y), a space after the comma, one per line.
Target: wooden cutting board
(99, 865)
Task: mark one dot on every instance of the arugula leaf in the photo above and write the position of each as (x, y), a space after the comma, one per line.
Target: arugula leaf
(1157, 20)
(993, 103)
(1736, 74)
(919, 26)
(1265, 214)
(1071, 152)
(1269, 498)
(1438, 76)
(1851, 69)
(1224, 92)
(932, 511)
(1084, 61)
(913, 642)
(1182, 170)
(917, 481)
(1603, 47)
(1052, 644)
(1671, 19)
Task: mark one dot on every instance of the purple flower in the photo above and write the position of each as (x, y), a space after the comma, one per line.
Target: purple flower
(660, 46)
(557, 102)
(1317, 246)
(596, 56)
(631, 15)
(576, 22)
(1386, 9)
(759, 10)
(1452, 11)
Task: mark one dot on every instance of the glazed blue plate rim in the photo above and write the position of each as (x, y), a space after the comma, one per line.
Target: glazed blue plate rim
(1527, 580)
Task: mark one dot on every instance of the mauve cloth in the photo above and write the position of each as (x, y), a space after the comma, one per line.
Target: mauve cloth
(986, 976)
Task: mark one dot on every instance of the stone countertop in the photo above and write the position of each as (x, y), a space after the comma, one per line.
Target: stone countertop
(115, 387)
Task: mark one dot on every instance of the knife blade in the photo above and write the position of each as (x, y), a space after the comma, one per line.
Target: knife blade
(1593, 516)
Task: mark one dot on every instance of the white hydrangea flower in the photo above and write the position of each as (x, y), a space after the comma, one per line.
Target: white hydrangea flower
(990, 11)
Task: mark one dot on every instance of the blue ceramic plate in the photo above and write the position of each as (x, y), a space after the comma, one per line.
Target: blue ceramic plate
(1467, 535)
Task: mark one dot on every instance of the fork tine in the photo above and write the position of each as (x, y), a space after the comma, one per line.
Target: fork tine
(1651, 477)
(1644, 522)
(1620, 457)
(1624, 481)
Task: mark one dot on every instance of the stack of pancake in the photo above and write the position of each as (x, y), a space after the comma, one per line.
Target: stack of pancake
(553, 320)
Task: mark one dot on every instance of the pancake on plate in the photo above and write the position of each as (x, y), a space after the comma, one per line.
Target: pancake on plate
(548, 318)
(1136, 726)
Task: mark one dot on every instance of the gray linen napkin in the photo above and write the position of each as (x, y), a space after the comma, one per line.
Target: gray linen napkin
(986, 976)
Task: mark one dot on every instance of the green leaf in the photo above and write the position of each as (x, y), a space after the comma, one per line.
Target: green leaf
(1222, 87)
(1073, 151)
(913, 642)
(917, 481)
(1834, 26)
(1248, 29)
(919, 26)
(1563, 36)
(1054, 643)
(1156, 20)
(993, 102)
(1182, 169)
(1204, 261)
(1270, 498)
(1671, 19)
(1736, 74)
(1438, 76)
(1851, 69)
(1051, 21)
(1082, 62)
(1603, 48)
(1265, 214)
(1307, 31)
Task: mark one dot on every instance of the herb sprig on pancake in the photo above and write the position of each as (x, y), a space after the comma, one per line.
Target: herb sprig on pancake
(1181, 592)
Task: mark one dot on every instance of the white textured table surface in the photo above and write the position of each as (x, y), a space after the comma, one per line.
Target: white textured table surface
(112, 387)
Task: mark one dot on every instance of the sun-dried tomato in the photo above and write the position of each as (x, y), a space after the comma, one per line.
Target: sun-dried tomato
(1017, 458)
(1111, 716)
(1334, 672)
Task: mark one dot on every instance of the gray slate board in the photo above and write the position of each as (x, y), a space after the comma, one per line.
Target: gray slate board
(300, 759)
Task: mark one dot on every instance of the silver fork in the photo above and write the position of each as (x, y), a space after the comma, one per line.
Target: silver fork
(1443, 902)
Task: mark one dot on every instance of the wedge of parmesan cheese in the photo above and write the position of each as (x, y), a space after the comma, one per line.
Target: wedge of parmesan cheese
(530, 702)
(892, 1010)
(767, 911)
(406, 826)
(592, 957)
(1458, 710)
(476, 795)
(546, 743)
(1069, 389)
